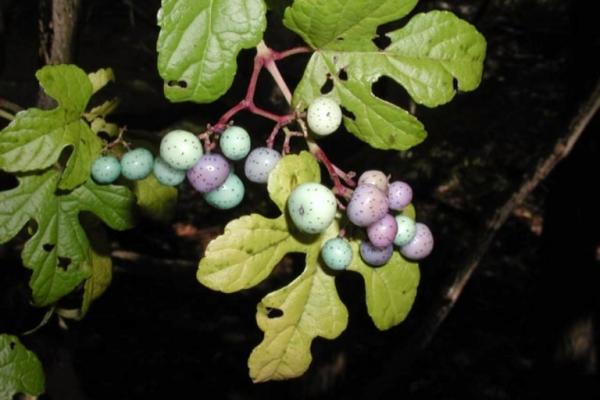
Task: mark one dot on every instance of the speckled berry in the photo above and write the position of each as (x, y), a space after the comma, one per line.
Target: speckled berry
(228, 195)
(181, 149)
(383, 232)
(324, 116)
(421, 244)
(106, 169)
(406, 230)
(166, 174)
(337, 253)
(312, 207)
(375, 178)
(373, 255)
(259, 164)
(137, 164)
(367, 205)
(209, 172)
(399, 195)
(235, 143)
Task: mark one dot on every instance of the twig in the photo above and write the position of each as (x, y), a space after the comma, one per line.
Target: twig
(452, 290)
(10, 106)
(6, 115)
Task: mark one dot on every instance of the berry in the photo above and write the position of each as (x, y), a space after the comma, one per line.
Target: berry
(137, 164)
(235, 143)
(421, 245)
(367, 205)
(337, 253)
(383, 232)
(375, 256)
(312, 207)
(406, 230)
(180, 149)
(166, 174)
(260, 163)
(375, 178)
(106, 169)
(228, 195)
(324, 116)
(209, 172)
(399, 195)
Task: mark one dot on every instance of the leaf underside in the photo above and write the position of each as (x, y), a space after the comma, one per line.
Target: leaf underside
(199, 42)
(427, 56)
(309, 306)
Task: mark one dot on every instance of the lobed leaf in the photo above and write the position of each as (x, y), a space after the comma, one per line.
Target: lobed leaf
(426, 56)
(20, 370)
(36, 138)
(58, 250)
(310, 307)
(199, 42)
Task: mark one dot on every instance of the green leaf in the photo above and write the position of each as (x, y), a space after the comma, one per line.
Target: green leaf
(199, 42)
(20, 369)
(311, 307)
(287, 175)
(36, 138)
(101, 78)
(390, 289)
(425, 57)
(246, 253)
(155, 200)
(58, 251)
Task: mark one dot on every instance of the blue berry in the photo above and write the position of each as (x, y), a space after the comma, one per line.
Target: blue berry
(228, 195)
(235, 143)
(166, 174)
(337, 253)
(106, 169)
(137, 164)
(375, 256)
(312, 207)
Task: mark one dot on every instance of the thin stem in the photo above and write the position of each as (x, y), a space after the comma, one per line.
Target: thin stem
(6, 115)
(278, 78)
(279, 55)
(320, 155)
(10, 106)
(273, 135)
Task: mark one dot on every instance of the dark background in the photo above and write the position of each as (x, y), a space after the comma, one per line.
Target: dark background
(524, 328)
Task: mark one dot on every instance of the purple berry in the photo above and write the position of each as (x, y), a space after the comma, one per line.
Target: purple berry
(367, 205)
(209, 172)
(259, 164)
(375, 256)
(383, 232)
(399, 195)
(375, 178)
(420, 246)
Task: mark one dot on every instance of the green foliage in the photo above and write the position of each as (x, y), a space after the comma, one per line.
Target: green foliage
(199, 41)
(59, 237)
(20, 370)
(36, 138)
(253, 245)
(154, 200)
(425, 57)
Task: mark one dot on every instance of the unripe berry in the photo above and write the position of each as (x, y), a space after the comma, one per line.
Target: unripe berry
(228, 195)
(337, 253)
(406, 230)
(137, 164)
(181, 149)
(324, 116)
(235, 143)
(312, 207)
(106, 169)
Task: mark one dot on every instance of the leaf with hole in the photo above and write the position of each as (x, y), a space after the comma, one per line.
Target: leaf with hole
(426, 56)
(199, 42)
(309, 307)
(20, 370)
(58, 250)
(36, 138)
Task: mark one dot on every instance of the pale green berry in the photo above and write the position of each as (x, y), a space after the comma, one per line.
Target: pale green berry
(407, 229)
(324, 116)
(106, 169)
(137, 164)
(235, 143)
(181, 149)
(228, 195)
(312, 207)
(166, 174)
(337, 253)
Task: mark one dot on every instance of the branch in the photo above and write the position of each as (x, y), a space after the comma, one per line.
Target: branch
(451, 291)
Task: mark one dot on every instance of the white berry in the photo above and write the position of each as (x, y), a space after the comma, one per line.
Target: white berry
(324, 116)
